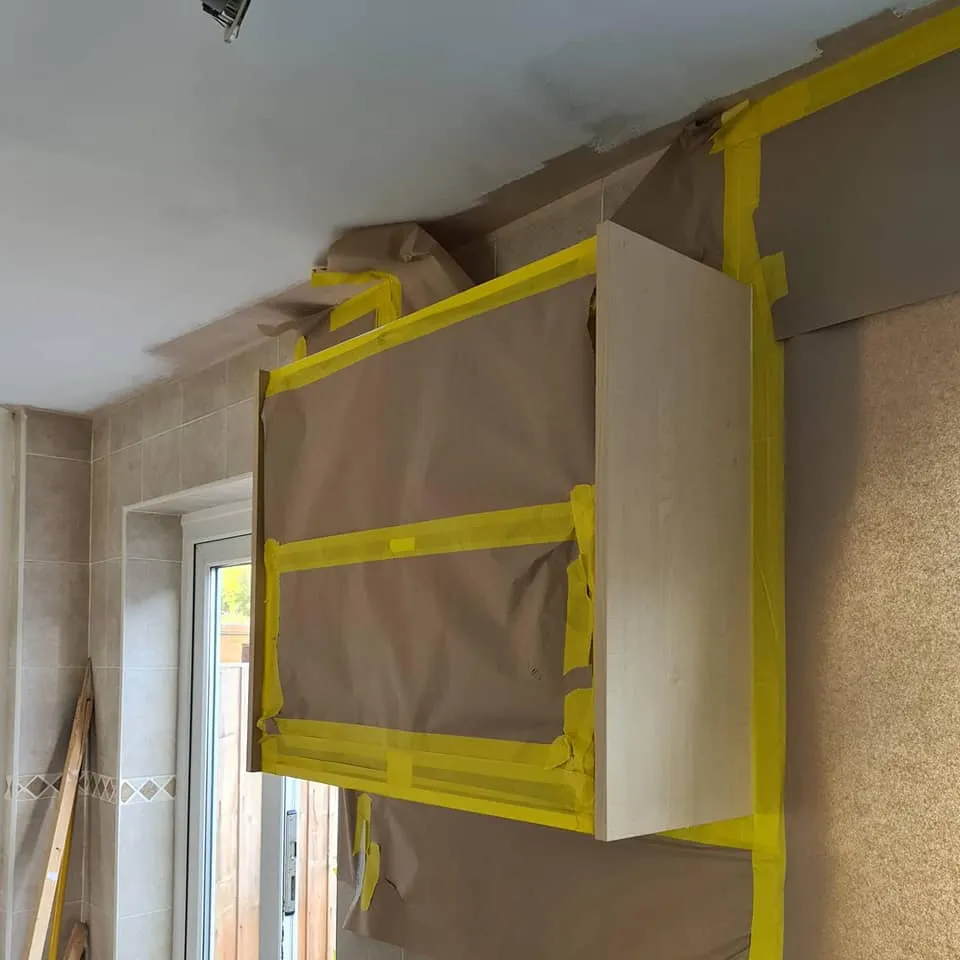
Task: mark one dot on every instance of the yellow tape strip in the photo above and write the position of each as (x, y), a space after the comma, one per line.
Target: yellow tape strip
(925, 42)
(383, 295)
(742, 261)
(272, 695)
(550, 783)
(553, 271)
(367, 850)
(453, 795)
(774, 276)
(300, 348)
(523, 526)
(61, 894)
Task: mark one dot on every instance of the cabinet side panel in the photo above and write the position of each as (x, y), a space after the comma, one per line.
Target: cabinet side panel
(672, 652)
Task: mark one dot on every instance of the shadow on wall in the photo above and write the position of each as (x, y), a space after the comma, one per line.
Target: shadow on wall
(822, 438)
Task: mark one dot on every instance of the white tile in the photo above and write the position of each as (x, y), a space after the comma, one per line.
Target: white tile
(35, 821)
(149, 727)
(162, 408)
(151, 614)
(203, 446)
(102, 934)
(105, 729)
(102, 854)
(57, 510)
(153, 536)
(125, 424)
(57, 435)
(48, 703)
(145, 860)
(205, 392)
(148, 936)
(55, 613)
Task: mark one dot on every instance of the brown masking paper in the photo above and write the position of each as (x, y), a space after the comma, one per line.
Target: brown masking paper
(458, 886)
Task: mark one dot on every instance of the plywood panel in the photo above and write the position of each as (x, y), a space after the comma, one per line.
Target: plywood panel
(672, 655)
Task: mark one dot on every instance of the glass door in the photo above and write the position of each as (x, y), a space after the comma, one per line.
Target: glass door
(261, 850)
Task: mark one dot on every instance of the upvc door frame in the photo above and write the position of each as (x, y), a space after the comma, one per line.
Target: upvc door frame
(212, 538)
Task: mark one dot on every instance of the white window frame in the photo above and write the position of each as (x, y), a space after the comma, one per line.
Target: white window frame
(206, 529)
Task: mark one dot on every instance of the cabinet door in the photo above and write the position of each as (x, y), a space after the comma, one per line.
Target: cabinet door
(672, 644)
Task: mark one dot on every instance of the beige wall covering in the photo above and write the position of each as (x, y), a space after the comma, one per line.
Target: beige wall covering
(873, 653)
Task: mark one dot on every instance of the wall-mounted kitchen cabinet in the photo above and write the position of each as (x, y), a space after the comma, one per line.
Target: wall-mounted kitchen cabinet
(504, 548)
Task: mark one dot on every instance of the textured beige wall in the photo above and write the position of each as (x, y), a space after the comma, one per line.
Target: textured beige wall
(873, 637)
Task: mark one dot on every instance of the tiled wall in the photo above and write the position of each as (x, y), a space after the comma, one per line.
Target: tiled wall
(47, 663)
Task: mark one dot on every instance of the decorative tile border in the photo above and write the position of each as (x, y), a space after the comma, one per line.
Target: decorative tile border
(99, 786)
(42, 786)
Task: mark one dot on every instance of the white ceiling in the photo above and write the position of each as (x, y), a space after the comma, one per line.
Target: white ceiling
(153, 178)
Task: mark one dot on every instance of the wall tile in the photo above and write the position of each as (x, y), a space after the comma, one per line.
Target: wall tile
(102, 854)
(242, 369)
(105, 730)
(35, 821)
(161, 465)
(57, 435)
(105, 612)
(145, 858)
(205, 392)
(55, 611)
(125, 488)
(126, 475)
(241, 438)
(125, 424)
(100, 507)
(162, 408)
(556, 226)
(204, 451)
(153, 536)
(151, 616)
(148, 936)
(621, 183)
(100, 443)
(58, 509)
(23, 923)
(102, 935)
(47, 705)
(149, 734)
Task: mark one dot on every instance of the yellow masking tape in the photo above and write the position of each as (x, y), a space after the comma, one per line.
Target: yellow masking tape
(300, 348)
(742, 261)
(522, 526)
(774, 270)
(368, 852)
(736, 833)
(403, 545)
(400, 768)
(925, 42)
(61, 894)
(553, 271)
(552, 802)
(551, 784)
(272, 695)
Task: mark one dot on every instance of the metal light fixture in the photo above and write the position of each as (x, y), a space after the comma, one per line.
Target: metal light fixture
(228, 13)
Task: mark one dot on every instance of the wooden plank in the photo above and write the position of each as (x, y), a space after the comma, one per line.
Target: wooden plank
(257, 581)
(65, 808)
(77, 944)
(672, 650)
